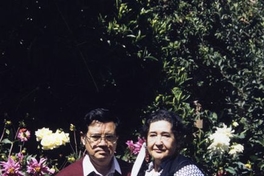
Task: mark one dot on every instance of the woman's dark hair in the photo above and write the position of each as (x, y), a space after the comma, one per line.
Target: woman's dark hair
(101, 115)
(176, 122)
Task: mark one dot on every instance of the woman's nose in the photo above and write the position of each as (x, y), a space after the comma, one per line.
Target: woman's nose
(158, 140)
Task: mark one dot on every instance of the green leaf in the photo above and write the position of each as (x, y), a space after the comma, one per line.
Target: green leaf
(6, 141)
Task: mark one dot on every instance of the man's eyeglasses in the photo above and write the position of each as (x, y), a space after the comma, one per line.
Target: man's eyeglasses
(98, 138)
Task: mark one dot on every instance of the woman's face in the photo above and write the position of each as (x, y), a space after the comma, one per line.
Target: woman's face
(160, 140)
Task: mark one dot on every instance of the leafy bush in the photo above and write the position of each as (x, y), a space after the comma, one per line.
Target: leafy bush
(208, 54)
(204, 60)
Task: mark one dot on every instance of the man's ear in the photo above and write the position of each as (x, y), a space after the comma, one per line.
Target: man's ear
(82, 138)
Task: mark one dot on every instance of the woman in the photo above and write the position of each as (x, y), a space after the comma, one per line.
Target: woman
(163, 132)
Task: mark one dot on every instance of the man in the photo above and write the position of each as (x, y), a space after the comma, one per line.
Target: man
(99, 136)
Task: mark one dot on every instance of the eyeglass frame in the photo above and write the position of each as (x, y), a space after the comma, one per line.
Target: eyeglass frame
(98, 140)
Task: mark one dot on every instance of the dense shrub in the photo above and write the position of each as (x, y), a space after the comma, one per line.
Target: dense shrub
(211, 70)
(201, 59)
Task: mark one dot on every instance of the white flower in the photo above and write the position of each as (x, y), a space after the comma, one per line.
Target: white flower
(62, 138)
(51, 140)
(220, 143)
(48, 142)
(224, 130)
(40, 133)
(235, 149)
(220, 140)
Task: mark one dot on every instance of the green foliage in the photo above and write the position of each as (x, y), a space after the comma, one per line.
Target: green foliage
(204, 60)
(207, 51)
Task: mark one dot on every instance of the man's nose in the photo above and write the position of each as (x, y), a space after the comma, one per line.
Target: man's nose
(103, 141)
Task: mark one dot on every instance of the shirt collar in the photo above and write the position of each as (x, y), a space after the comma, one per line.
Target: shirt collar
(150, 167)
(88, 166)
(150, 171)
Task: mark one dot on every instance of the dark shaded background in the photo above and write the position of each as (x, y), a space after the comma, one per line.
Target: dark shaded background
(55, 66)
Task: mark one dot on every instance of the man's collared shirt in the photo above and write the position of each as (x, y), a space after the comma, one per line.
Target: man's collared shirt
(88, 167)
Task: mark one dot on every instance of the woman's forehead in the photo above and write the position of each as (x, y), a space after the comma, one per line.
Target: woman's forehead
(161, 125)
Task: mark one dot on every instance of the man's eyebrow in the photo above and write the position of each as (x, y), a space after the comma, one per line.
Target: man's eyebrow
(102, 133)
(95, 134)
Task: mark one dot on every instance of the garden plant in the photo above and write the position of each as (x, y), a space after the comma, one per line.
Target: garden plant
(200, 59)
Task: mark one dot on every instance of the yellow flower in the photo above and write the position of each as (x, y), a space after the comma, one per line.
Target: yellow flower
(50, 140)
(248, 166)
(24, 151)
(8, 122)
(61, 137)
(235, 124)
(72, 127)
(40, 133)
(71, 159)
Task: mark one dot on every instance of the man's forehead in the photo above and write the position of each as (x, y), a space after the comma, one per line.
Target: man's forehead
(101, 126)
(99, 123)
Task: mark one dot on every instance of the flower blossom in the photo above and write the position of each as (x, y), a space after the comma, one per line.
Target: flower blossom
(220, 143)
(23, 134)
(62, 137)
(50, 140)
(226, 131)
(220, 140)
(40, 133)
(130, 145)
(36, 168)
(235, 124)
(20, 157)
(135, 147)
(10, 167)
(235, 149)
(248, 165)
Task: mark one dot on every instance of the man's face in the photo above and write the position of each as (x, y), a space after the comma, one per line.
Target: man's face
(100, 141)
